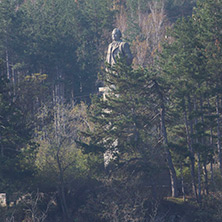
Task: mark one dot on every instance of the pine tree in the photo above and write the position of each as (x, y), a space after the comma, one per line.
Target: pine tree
(207, 19)
(184, 68)
(129, 122)
(16, 148)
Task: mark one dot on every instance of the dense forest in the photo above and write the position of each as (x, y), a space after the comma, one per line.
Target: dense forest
(160, 126)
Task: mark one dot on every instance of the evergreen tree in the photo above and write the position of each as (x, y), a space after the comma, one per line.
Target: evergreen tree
(184, 69)
(17, 151)
(128, 121)
(207, 19)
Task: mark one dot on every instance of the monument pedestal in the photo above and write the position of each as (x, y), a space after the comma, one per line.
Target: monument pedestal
(105, 91)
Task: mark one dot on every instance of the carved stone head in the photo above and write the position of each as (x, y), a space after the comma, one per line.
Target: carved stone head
(116, 34)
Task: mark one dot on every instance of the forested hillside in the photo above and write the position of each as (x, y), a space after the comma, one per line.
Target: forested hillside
(161, 122)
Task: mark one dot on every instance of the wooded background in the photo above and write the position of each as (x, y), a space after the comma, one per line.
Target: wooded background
(162, 121)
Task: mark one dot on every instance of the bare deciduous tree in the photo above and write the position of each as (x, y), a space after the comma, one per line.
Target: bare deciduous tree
(153, 27)
(58, 153)
(33, 211)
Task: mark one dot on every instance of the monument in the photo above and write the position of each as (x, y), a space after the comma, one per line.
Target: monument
(3, 200)
(116, 49)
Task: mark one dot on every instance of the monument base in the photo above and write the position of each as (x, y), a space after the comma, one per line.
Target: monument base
(105, 90)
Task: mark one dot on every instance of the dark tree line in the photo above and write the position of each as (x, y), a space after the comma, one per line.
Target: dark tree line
(161, 116)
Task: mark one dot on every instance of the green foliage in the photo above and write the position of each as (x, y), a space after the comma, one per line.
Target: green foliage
(62, 40)
(17, 153)
(177, 8)
(14, 133)
(127, 119)
(58, 151)
(52, 51)
(186, 66)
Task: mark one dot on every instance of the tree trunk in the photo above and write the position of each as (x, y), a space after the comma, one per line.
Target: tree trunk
(211, 162)
(2, 149)
(212, 144)
(7, 64)
(199, 179)
(190, 143)
(206, 178)
(218, 134)
(182, 181)
(206, 154)
(198, 154)
(212, 174)
(62, 190)
(173, 177)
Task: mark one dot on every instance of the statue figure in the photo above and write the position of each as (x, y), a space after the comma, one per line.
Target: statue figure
(118, 48)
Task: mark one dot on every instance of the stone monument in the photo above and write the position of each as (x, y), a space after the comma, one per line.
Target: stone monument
(3, 200)
(116, 49)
